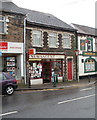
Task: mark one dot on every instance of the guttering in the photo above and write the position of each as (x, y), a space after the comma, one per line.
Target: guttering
(13, 12)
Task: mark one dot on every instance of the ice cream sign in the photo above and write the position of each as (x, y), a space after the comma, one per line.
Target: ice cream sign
(11, 47)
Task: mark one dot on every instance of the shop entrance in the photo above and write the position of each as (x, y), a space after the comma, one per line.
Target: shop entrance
(46, 71)
(70, 72)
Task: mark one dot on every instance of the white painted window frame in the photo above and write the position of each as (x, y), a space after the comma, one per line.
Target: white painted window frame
(36, 45)
(52, 34)
(3, 21)
(66, 37)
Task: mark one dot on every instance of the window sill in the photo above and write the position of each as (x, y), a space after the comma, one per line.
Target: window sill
(52, 47)
(67, 47)
(2, 33)
(37, 46)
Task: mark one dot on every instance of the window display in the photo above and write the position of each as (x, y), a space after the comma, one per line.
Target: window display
(57, 66)
(36, 70)
(90, 65)
(11, 65)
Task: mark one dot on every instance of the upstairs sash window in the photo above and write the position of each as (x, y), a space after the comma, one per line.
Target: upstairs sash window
(2, 24)
(37, 38)
(66, 41)
(53, 40)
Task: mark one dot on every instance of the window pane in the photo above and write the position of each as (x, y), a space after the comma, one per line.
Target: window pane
(1, 27)
(90, 66)
(37, 38)
(52, 39)
(82, 44)
(57, 67)
(89, 45)
(66, 41)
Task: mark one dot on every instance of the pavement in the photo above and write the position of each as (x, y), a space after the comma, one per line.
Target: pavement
(62, 85)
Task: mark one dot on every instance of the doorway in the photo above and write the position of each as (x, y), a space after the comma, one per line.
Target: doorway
(46, 71)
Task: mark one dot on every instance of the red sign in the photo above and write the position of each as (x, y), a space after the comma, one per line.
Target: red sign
(3, 45)
(32, 51)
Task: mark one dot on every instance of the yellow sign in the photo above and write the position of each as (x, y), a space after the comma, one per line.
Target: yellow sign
(34, 59)
(90, 53)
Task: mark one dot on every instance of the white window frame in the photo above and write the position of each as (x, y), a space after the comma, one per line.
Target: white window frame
(33, 33)
(3, 21)
(66, 37)
(54, 35)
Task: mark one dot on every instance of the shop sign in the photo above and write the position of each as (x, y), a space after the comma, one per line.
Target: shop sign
(32, 51)
(15, 47)
(11, 47)
(89, 53)
(3, 45)
(46, 56)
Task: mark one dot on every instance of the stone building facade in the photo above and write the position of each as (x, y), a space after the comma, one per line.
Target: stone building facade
(53, 40)
(12, 40)
(48, 57)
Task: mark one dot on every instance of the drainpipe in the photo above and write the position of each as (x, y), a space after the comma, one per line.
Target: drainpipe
(24, 50)
(77, 58)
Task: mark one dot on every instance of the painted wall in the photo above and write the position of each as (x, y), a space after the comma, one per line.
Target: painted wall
(81, 66)
(80, 57)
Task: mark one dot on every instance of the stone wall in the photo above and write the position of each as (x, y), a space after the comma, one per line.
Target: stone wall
(45, 48)
(14, 28)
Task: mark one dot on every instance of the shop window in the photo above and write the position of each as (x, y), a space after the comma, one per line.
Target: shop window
(37, 38)
(90, 65)
(36, 70)
(57, 67)
(2, 24)
(53, 40)
(82, 44)
(10, 65)
(66, 41)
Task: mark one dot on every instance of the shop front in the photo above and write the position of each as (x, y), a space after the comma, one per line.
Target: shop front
(41, 67)
(12, 58)
(88, 64)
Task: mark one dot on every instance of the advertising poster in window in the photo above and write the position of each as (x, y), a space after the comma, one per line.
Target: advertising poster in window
(11, 65)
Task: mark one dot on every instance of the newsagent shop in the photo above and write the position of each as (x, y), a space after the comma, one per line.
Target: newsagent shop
(41, 67)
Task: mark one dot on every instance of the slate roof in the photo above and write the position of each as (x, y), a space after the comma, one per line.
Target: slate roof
(85, 29)
(10, 7)
(36, 17)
